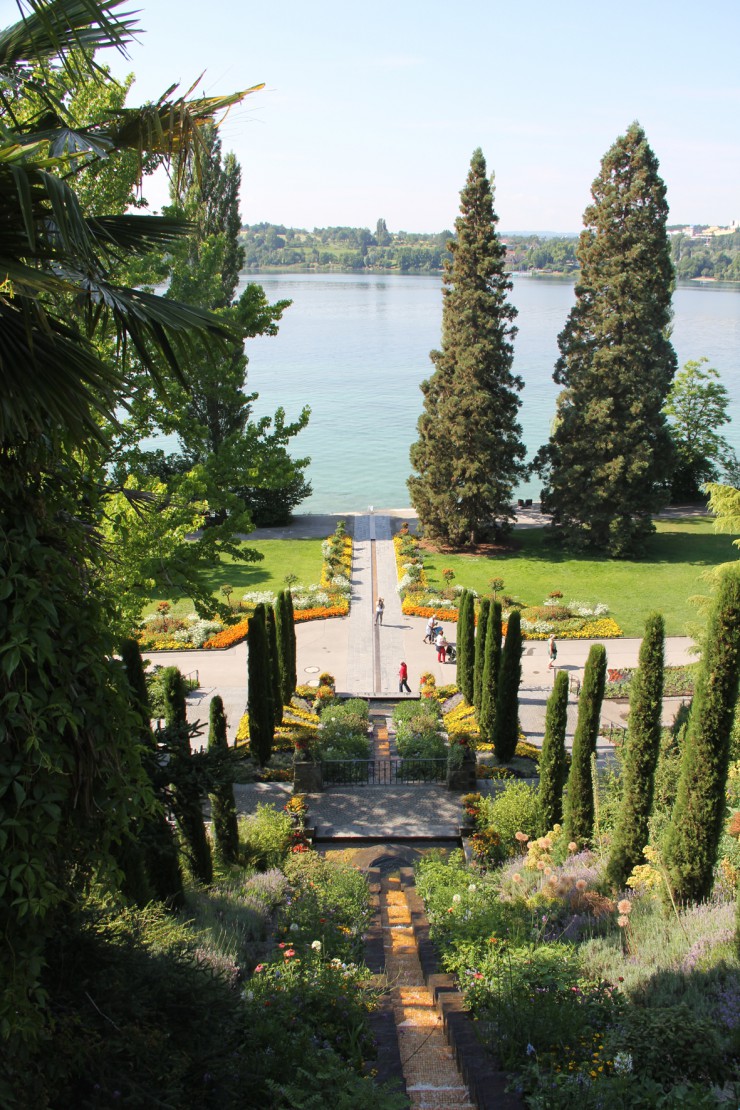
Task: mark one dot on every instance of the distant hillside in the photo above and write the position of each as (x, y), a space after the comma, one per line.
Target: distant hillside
(357, 249)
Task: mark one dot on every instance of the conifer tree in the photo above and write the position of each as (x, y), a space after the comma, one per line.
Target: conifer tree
(223, 807)
(609, 461)
(506, 724)
(469, 453)
(466, 644)
(491, 666)
(694, 833)
(480, 651)
(186, 793)
(285, 646)
(276, 686)
(553, 761)
(579, 803)
(290, 617)
(259, 706)
(641, 756)
(157, 841)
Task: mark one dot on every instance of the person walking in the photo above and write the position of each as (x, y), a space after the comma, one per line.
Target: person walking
(552, 650)
(403, 679)
(429, 636)
(441, 645)
(379, 608)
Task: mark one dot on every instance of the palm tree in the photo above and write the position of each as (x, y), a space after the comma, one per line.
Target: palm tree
(73, 774)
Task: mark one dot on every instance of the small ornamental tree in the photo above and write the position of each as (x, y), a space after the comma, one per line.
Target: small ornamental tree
(579, 804)
(466, 645)
(223, 807)
(641, 756)
(186, 793)
(553, 761)
(276, 688)
(506, 724)
(694, 833)
(259, 705)
(156, 836)
(285, 646)
(489, 680)
(480, 651)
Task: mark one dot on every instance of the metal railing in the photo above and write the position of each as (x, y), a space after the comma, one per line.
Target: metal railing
(383, 772)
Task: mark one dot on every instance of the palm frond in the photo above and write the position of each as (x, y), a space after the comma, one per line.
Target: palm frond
(54, 29)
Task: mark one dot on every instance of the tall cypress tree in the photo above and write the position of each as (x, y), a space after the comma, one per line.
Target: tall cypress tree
(223, 807)
(259, 706)
(469, 453)
(186, 793)
(157, 841)
(641, 755)
(480, 651)
(694, 833)
(466, 645)
(609, 460)
(276, 687)
(506, 724)
(290, 616)
(553, 761)
(285, 647)
(579, 803)
(491, 665)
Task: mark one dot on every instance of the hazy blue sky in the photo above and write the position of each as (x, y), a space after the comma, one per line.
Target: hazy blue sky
(374, 109)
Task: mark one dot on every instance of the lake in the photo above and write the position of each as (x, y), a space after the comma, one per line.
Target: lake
(355, 348)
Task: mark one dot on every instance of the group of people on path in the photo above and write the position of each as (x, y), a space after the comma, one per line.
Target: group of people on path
(435, 635)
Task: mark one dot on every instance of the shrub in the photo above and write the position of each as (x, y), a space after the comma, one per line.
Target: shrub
(266, 837)
(514, 809)
(668, 1043)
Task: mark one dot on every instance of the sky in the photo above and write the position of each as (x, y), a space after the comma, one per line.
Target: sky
(373, 110)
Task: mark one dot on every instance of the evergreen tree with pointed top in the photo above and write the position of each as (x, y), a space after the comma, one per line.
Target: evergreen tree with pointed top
(186, 792)
(259, 705)
(480, 651)
(491, 667)
(276, 687)
(693, 836)
(579, 804)
(285, 647)
(290, 617)
(553, 761)
(469, 453)
(640, 757)
(506, 724)
(157, 841)
(466, 644)
(609, 462)
(223, 807)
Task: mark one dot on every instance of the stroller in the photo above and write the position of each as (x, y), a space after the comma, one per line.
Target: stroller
(451, 653)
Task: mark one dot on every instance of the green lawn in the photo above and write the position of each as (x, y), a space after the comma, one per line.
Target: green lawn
(281, 557)
(670, 574)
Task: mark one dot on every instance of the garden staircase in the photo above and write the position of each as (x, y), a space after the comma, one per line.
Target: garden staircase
(426, 1040)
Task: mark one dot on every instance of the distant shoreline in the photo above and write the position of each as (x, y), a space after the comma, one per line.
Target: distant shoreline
(561, 275)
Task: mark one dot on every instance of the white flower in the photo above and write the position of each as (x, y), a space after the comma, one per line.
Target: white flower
(456, 898)
(623, 1063)
(472, 888)
(248, 996)
(316, 945)
(295, 927)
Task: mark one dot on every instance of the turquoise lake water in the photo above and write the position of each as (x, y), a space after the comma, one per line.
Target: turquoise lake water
(356, 347)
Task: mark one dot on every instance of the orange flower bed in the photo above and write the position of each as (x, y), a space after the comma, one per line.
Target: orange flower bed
(234, 634)
(320, 612)
(412, 610)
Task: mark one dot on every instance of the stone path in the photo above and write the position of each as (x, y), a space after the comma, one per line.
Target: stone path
(428, 1063)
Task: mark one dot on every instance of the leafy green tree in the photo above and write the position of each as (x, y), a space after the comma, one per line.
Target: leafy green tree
(553, 761)
(491, 666)
(506, 722)
(469, 453)
(276, 687)
(694, 833)
(696, 407)
(641, 756)
(223, 807)
(73, 777)
(480, 650)
(579, 803)
(186, 790)
(609, 460)
(259, 705)
(466, 644)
